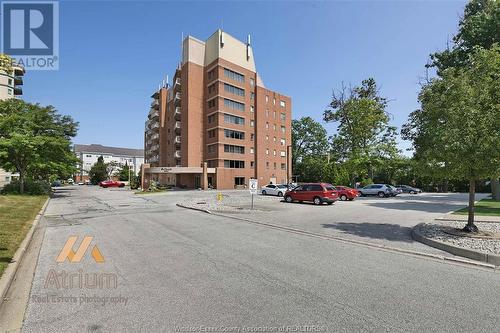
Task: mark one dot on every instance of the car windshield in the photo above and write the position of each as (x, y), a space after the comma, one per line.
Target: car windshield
(330, 187)
(281, 186)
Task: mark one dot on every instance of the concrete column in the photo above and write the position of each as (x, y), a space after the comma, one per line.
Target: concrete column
(205, 177)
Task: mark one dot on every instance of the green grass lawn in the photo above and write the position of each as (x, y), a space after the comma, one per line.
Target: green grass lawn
(485, 207)
(16, 216)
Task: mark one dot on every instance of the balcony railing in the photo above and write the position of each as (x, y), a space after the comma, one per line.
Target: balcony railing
(18, 91)
(18, 80)
(177, 139)
(154, 113)
(155, 136)
(155, 104)
(177, 113)
(177, 154)
(177, 81)
(177, 97)
(154, 125)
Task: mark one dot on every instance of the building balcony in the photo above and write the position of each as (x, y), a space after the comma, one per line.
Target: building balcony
(18, 80)
(155, 95)
(177, 126)
(154, 148)
(177, 81)
(177, 97)
(177, 154)
(154, 114)
(153, 159)
(18, 91)
(177, 113)
(18, 70)
(155, 137)
(155, 104)
(154, 125)
(177, 139)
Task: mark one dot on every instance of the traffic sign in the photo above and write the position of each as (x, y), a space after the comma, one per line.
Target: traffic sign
(253, 186)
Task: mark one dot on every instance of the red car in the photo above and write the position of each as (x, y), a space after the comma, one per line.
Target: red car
(315, 192)
(111, 183)
(347, 193)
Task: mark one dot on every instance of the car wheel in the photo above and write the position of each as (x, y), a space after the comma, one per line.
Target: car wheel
(343, 197)
(381, 194)
(413, 192)
(330, 203)
(280, 194)
(264, 192)
(288, 199)
(317, 201)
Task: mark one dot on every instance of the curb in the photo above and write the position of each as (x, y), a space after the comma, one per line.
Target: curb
(449, 218)
(490, 259)
(11, 270)
(351, 241)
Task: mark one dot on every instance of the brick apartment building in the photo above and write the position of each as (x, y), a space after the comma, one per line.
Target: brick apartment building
(218, 111)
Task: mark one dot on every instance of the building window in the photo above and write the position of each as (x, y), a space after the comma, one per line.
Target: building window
(252, 137)
(267, 112)
(283, 116)
(212, 148)
(234, 134)
(230, 119)
(283, 142)
(234, 149)
(274, 152)
(274, 127)
(211, 103)
(252, 164)
(267, 98)
(251, 150)
(10, 82)
(234, 90)
(274, 114)
(251, 108)
(234, 164)
(283, 153)
(267, 125)
(211, 118)
(274, 139)
(88, 155)
(212, 164)
(267, 137)
(282, 104)
(274, 101)
(252, 95)
(9, 91)
(233, 75)
(274, 165)
(252, 82)
(211, 133)
(283, 129)
(211, 88)
(252, 123)
(211, 74)
(267, 165)
(234, 105)
(239, 181)
(267, 151)
(283, 166)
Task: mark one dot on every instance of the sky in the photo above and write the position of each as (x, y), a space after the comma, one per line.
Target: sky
(113, 54)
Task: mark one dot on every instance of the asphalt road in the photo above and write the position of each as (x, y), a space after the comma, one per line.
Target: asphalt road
(182, 270)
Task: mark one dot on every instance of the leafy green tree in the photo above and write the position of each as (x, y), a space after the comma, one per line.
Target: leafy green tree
(309, 138)
(98, 172)
(35, 141)
(479, 26)
(364, 139)
(457, 128)
(125, 173)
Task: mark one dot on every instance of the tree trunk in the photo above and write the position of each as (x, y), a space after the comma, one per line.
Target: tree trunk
(353, 181)
(495, 189)
(471, 227)
(21, 182)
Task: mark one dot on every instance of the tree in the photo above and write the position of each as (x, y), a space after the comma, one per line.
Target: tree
(364, 138)
(125, 173)
(479, 26)
(35, 141)
(98, 171)
(458, 127)
(112, 168)
(309, 137)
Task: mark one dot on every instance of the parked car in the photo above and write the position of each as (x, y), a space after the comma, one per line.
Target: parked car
(70, 181)
(56, 183)
(409, 189)
(111, 183)
(81, 183)
(380, 190)
(346, 193)
(318, 193)
(273, 189)
(394, 190)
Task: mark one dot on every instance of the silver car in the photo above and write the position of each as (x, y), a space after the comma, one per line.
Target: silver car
(380, 190)
(273, 189)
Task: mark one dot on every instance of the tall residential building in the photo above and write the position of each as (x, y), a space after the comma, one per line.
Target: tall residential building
(10, 87)
(218, 111)
(88, 155)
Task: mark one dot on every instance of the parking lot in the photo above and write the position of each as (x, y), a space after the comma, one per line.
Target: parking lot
(385, 221)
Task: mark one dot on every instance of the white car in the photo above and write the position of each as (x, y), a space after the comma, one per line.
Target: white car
(273, 189)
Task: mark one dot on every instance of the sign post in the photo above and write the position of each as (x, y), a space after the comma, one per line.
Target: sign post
(253, 185)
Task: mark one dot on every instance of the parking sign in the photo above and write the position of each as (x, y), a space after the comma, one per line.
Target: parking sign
(253, 186)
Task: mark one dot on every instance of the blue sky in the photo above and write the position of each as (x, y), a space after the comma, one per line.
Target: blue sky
(113, 54)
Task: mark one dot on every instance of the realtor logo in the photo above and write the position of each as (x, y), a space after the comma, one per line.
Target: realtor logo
(67, 250)
(30, 33)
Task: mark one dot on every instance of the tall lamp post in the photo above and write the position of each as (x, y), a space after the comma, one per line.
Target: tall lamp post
(288, 155)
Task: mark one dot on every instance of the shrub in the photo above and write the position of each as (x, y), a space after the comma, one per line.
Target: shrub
(31, 187)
